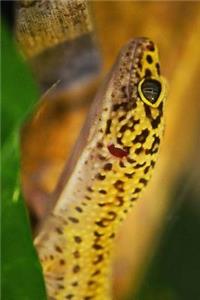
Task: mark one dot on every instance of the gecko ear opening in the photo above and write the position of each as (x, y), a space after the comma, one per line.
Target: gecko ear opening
(152, 91)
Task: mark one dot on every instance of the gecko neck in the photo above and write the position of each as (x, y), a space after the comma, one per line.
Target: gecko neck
(83, 254)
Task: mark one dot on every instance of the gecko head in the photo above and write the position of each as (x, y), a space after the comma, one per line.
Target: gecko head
(151, 86)
(138, 96)
(138, 75)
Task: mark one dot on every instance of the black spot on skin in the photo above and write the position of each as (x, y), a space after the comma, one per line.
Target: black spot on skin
(119, 185)
(123, 128)
(91, 282)
(147, 73)
(153, 163)
(130, 160)
(69, 296)
(134, 122)
(109, 122)
(112, 235)
(119, 140)
(76, 269)
(60, 278)
(60, 286)
(113, 215)
(105, 221)
(137, 166)
(151, 46)
(149, 59)
(133, 199)
(99, 145)
(100, 223)
(98, 259)
(89, 189)
(62, 262)
(87, 197)
(151, 151)
(125, 106)
(137, 75)
(155, 145)
(75, 283)
(102, 192)
(158, 68)
(143, 180)
(102, 204)
(140, 65)
(97, 272)
(97, 247)
(76, 254)
(137, 190)
(73, 220)
(147, 111)
(88, 298)
(146, 169)
(101, 157)
(160, 108)
(100, 177)
(127, 149)
(132, 104)
(129, 175)
(121, 118)
(116, 106)
(98, 234)
(77, 239)
(121, 164)
(155, 122)
(58, 249)
(79, 209)
(107, 167)
(139, 150)
(141, 138)
(59, 231)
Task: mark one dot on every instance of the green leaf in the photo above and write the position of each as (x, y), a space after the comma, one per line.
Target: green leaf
(21, 271)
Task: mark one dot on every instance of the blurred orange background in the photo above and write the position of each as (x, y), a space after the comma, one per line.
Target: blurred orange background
(49, 136)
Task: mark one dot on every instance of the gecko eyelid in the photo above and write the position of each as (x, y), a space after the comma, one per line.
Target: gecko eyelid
(152, 91)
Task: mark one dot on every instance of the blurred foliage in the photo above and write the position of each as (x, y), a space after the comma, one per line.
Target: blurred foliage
(21, 271)
(175, 269)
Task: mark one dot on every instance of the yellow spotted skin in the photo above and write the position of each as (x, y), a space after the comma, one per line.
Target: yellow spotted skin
(75, 243)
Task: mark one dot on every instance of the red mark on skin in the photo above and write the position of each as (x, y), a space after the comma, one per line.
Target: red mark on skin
(117, 151)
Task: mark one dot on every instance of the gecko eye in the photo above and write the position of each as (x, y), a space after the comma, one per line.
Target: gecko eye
(151, 91)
